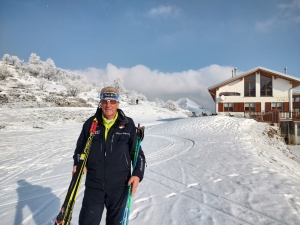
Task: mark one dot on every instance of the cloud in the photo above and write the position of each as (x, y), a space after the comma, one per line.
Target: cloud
(290, 5)
(165, 11)
(153, 84)
(287, 13)
(267, 25)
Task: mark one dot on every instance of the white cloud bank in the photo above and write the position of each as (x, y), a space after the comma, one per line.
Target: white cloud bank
(153, 84)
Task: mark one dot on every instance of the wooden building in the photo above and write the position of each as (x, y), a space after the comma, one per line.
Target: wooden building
(264, 95)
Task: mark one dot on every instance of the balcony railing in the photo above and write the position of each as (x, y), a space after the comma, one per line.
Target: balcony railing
(290, 115)
(273, 116)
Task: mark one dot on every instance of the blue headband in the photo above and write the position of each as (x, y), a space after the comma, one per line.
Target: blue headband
(109, 96)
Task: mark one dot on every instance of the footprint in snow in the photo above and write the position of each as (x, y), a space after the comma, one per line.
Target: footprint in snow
(141, 200)
(218, 180)
(170, 195)
(233, 175)
(194, 184)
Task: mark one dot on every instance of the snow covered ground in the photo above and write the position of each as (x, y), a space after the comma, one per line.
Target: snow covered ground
(191, 106)
(203, 170)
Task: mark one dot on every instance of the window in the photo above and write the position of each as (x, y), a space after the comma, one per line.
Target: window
(265, 86)
(249, 106)
(249, 88)
(276, 105)
(228, 107)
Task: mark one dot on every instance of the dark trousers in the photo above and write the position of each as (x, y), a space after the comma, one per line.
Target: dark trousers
(94, 201)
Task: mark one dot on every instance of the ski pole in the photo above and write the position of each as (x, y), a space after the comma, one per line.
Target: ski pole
(140, 137)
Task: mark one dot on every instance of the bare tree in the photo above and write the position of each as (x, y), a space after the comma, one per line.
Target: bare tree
(19, 63)
(61, 75)
(49, 69)
(6, 58)
(118, 84)
(133, 97)
(74, 87)
(4, 72)
(22, 70)
(34, 59)
(14, 60)
(141, 97)
(42, 83)
(35, 66)
(171, 105)
(102, 85)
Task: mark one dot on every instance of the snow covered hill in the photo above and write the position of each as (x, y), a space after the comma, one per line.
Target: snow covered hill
(205, 170)
(21, 89)
(191, 106)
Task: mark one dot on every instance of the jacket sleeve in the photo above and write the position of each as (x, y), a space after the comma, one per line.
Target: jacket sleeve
(81, 141)
(140, 165)
(141, 160)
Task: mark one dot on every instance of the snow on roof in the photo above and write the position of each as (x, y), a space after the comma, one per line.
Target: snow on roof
(283, 75)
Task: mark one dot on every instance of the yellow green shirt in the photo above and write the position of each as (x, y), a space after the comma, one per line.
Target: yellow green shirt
(108, 124)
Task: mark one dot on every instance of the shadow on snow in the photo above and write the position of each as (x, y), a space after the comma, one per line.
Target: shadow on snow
(42, 203)
(170, 119)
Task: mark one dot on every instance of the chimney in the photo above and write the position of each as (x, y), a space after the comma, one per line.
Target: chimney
(235, 71)
(285, 70)
(232, 72)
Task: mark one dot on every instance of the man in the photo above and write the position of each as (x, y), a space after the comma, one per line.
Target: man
(108, 167)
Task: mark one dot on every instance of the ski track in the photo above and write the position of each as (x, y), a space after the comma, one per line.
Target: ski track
(35, 163)
(172, 148)
(243, 210)
(167, 187)
(177, 146)
(32, 159)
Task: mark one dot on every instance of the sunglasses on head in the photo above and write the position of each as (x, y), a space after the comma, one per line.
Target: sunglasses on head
(112, 102)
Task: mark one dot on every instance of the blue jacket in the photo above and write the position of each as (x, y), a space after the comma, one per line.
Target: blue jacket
(109, 162)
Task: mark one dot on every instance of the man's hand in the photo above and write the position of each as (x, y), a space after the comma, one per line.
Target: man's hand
(74, 170)
(134, 180)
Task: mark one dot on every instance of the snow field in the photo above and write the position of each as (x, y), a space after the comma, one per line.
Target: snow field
(207, 170)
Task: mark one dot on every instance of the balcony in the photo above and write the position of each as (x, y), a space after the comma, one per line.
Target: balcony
(274, 116)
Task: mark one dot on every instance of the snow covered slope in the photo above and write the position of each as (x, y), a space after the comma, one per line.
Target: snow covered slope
(191, 106)
(205, 170)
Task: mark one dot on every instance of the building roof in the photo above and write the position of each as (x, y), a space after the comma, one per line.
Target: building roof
(294, 80)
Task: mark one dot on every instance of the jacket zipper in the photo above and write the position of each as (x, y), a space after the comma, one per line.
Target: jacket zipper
(104, 167)
(126, 159)
(103, 141)
(112, 140)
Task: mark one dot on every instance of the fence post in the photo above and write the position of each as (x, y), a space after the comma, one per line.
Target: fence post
(278, 118)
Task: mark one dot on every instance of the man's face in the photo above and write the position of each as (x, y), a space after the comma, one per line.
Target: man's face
(109, 108)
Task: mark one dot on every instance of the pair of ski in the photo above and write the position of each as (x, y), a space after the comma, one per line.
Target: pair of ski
(65, 214)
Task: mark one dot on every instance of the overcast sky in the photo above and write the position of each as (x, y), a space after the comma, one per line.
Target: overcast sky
(178, 47)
